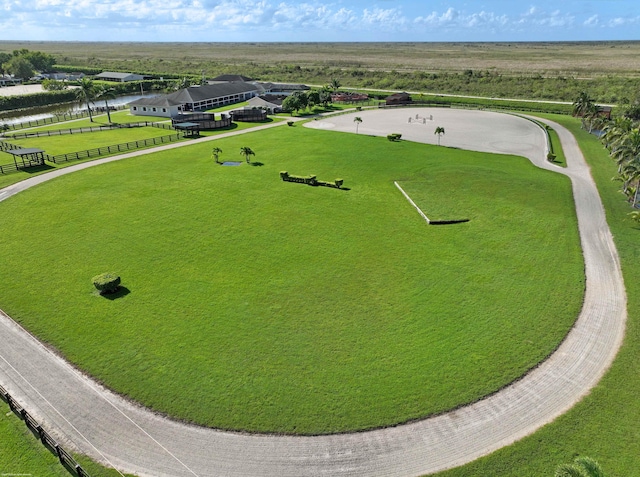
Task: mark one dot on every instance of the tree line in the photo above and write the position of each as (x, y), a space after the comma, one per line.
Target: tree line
(24, 63)
(621, 136)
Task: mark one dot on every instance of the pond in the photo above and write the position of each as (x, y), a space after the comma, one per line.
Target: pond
(34, 114)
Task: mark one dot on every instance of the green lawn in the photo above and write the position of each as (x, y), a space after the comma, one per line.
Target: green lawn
(560, 159)
(21, 453)
(120, 117)
(72, 144)
(65, 143)
(606, 424)
(256, 304)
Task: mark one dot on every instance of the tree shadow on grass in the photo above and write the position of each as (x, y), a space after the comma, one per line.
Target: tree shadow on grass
(256, 164)
(119, 293)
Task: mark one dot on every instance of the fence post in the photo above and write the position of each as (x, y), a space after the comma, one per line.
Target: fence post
(59, 452)
(40, 432)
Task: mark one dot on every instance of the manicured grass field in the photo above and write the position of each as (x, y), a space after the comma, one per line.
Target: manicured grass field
(256, 304)
(606, 424)
(62, 144)
(120, 117)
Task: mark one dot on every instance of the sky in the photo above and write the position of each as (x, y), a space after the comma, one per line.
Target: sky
(318, 20)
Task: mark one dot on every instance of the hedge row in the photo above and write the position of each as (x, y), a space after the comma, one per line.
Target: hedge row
(47, 98)
(310, 180)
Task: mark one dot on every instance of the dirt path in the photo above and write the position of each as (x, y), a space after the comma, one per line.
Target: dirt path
(111, 430)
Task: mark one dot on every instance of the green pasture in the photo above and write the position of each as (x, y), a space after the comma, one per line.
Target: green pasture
(65, 143)
(21, 453)
(100, 119)
(98, 137)
(605, 425)
(256, 304)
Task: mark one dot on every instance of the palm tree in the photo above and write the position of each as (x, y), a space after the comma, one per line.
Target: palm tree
(246, 151)
(179, 84)
(106, 93)
(325, 95)
(335, 84)
(630, 175)
(357, 120)
(215, 152)
(592, 116)
(582, 105)
(439, 132)
(615, 131)
(627, 149)
(86, 93)
(581, 467)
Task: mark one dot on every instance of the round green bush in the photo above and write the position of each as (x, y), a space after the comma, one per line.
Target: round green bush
(106, 282)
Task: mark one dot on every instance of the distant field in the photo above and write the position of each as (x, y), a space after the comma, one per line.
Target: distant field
(571, 58)
(609, 71)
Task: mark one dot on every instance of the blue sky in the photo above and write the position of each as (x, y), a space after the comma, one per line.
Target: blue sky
(318, 20)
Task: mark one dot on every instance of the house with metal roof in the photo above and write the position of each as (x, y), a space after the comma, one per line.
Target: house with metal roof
(230, 79)
(272, 103)
(194, 98)
(281, 88)
(161, 106)
(118, 77)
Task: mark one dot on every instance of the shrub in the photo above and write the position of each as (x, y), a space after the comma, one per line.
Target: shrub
(106, 282)
(394, 136)
(551, 157)
(289, 123)
(284, 175)
(339, 183)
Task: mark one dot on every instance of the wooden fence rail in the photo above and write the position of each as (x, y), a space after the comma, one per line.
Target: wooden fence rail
(109, 127)
(58, 118)
(52, 120)
(96, 152)
(47, 440)
(101, 151)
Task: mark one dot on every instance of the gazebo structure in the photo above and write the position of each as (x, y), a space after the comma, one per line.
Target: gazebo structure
(190, 129)
(27, 157)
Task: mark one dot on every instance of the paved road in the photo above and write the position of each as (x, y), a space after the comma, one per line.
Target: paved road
(116, 432)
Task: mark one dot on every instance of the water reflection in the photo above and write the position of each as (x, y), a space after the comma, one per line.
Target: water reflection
(15, 117)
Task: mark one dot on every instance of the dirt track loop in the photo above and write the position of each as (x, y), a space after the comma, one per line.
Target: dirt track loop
(100, 424)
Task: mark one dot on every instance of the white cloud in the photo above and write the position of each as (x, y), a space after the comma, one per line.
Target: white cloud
(215, 20)
(618, 22)
(593, 20)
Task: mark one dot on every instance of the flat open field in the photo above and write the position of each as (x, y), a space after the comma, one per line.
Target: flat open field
(558, 58)
(269, 306)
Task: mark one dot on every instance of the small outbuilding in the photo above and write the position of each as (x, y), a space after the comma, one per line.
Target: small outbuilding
(118, 77)
(163, 106)
(398, 98)
(272, 103)
(27, 157)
